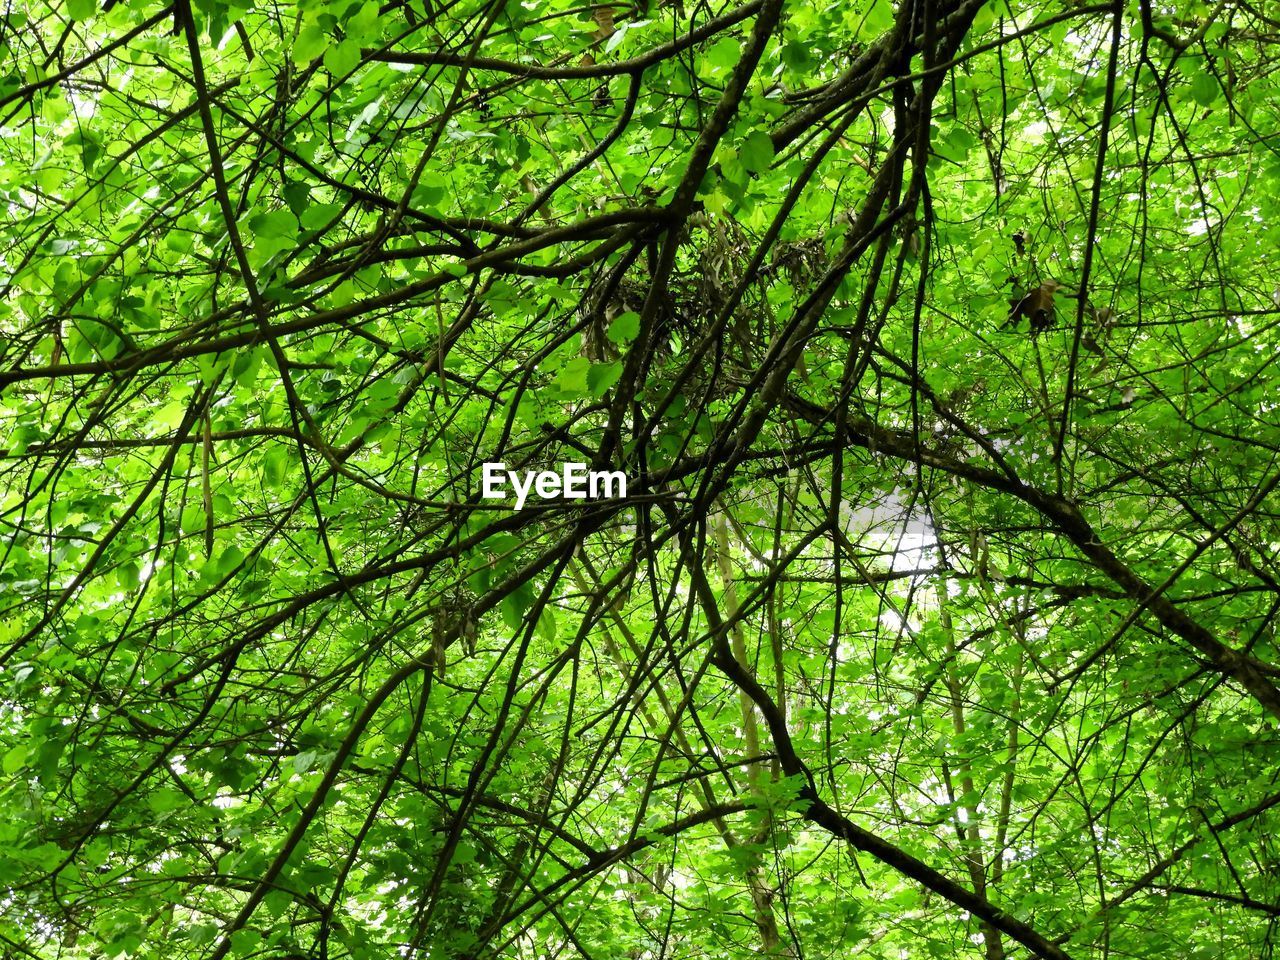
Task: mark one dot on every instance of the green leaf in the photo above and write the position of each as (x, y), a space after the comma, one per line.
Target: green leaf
(572, 378)
(129, 575)
(81, 9)
(724, 54)
(296, 195)
(624, 328)
(615, 39)
(878, 19)
(317, 215)
(547, 623)
(1204, 88)
(311, 42)
(275, 224)
(14, 759)
(602, 376)
(756, 151)
(165, 799)
(341, 58)
(513, 608)
(245, 942)
(230, 559)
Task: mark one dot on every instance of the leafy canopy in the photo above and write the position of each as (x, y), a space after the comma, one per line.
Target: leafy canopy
(936, 339)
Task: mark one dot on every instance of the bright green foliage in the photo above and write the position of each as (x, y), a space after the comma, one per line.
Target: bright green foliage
(936, 338)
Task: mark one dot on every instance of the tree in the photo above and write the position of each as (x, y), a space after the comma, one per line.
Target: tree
(935, 340)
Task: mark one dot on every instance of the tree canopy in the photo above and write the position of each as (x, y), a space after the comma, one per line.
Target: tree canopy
(936, 340)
